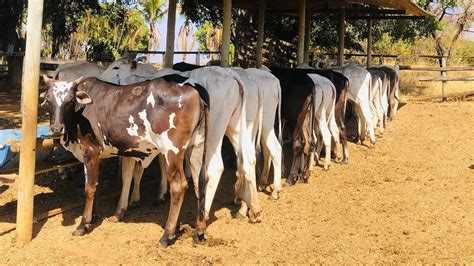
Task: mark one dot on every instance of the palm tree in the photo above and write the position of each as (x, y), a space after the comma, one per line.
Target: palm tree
(153, 10)
(183, 34)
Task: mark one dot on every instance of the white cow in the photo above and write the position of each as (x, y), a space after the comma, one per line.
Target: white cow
(228, 113)
(263, 98)
(74, 70)
(360, 83)
(325, 122)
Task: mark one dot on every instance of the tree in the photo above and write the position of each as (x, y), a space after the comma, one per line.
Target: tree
(153, 10)
(183, 35)
(462, 19)
(64, 17)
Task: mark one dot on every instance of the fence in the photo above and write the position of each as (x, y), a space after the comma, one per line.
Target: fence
(162, 53)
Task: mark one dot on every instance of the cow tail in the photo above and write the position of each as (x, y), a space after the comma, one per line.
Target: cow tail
(241, 154)
(280, 129)
(203, 173)
(258, 142)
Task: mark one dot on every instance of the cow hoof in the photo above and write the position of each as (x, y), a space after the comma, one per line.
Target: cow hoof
(114, 219)
(80, 231)
(262, 188)
(158, 202)
(239, 215)
(199, 238)
(164, 241)
(274, 195)
(326, 168)
(134, 205)
(255, 217)
(345, 161)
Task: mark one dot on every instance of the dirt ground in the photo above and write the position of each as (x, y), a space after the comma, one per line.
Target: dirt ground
(408, 200)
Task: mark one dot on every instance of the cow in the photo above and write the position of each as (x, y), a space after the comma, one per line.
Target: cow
(379, 97)
(296, 108)
(359, 93)
(324, 106)
(394, 89)
(341, 84)
(227, 97)
(137, 122)
(74, 70)
(263, 97)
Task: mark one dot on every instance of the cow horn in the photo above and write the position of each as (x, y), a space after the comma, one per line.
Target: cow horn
(78, 80)
(42, 97)
(46, 78)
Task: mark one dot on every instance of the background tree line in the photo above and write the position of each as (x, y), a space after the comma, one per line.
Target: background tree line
(98, 30)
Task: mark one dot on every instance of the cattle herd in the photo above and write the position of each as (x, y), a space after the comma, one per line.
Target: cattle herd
(182, 114)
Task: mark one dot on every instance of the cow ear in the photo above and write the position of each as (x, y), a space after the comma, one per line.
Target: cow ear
(83, 98)
(46, 78)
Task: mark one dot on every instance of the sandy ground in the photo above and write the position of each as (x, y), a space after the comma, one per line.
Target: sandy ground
(408, 200)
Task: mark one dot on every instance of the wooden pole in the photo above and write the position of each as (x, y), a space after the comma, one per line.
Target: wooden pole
(307, 32)
(301, 24)
(261, 32)
(444, 76)
(341, 31)
(226, 33)
(170, 34)
(29, 116)
(369, 43)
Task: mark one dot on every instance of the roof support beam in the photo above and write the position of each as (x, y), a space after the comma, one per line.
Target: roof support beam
(169, 54)
(226, 33)
(261, 32)
(29, 117)
(307, 33)
(301, 31)
(341, 32)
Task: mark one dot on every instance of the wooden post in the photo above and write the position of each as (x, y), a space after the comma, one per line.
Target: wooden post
(443, 75)
(226, 33)
(307, 34)
(29, 116)
(261, 32)
(169, 54)
(301, 24)
(341, 31)
(369, 43)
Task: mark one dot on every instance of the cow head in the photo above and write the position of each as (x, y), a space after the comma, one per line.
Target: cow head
(62, 97)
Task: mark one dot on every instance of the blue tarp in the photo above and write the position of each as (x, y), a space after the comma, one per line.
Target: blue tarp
(15, 134)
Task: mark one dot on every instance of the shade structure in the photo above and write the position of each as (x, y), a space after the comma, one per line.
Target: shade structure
(292, 6)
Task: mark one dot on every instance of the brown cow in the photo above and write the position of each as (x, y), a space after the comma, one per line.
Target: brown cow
(138, 121)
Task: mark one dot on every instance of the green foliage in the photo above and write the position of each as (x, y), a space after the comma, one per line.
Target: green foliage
(108, 32)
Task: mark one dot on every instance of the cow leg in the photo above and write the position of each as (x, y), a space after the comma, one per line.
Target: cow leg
(128, 165)
(137, 177)
(326, 136)
(368, 122)
(274, 148)
(360, 122)
(337, 139)
(214, 172)
(266, 167)
(163, 182)
(246, 185)
(178, 186)
(395, 104)
(91, 172)
(380, 119)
